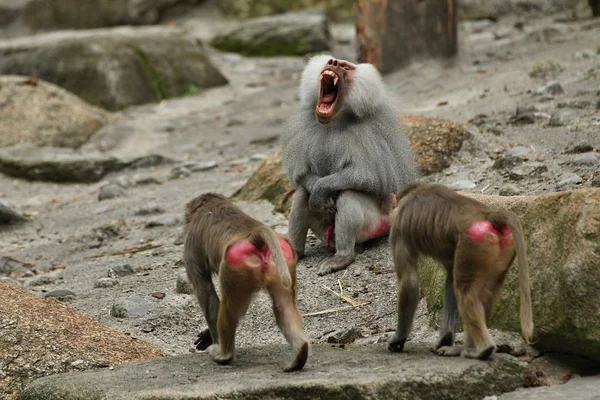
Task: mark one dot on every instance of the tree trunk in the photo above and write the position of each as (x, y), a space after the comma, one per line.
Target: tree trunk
(392, 32)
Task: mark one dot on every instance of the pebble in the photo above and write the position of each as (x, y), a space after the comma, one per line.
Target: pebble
(179, 172)
(553, 88)
(44, 266)
(569, 179)
(163, 220)
(517, 151)
(129, 308)
(238, 162)
(124, 181)
(590, 158)
(509, 189)
(183, 284)
(61, 294)
(527, 170)
(158, 295)
(555, 120)
(462, 185)
(145, 179)
(258, 157)
(201, 166)
(121, 270)
(110, 191)
(77, 363)
(149, 210)
(507, 162)
(344, 336)
(103, 283)
(43, 280)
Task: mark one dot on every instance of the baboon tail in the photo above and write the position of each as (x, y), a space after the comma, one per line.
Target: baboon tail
(267, 236)
(501, 219)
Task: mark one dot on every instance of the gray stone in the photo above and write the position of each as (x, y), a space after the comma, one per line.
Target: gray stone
(507, 162)
(355, 372)
(121, 270)
(586, 388)
(8, 216)
(183, 284)
(291, 34)
(509, 189)
(555, 120)
(86, 14)
(40, 113)
(582, 147)
(114, 68)
(43, 280)
(110, 191)
(179, 172)
(145, 179)
(149, 210)
(201, 166)
(590, 158)
(344, 336)
(103, 283)
(569, 179)
(129, 308)
(464, 184)
(44, 266)
(518, 151)
(10, 280)
(554, 88)
(61, 294)
(527, 171)
(596, 181)
(163, 220)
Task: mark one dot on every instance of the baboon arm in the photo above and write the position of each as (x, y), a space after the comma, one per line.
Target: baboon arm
(346, 179)
(308, 181)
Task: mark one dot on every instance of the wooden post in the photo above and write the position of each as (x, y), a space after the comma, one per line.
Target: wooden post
(392, 32)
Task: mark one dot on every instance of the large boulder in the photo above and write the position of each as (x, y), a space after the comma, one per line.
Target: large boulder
(40, 337)
(291, 34)
(335, 9)
(562, 233)
(434, 140)
(114, 68)
(86, 14)
(43, 114)
(355, 372)
(494, 9)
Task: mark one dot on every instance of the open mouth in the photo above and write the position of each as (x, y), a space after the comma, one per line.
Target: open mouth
(328, 94)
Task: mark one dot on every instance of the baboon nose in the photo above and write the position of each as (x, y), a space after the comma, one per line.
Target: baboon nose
(335, 63)
(330, 61)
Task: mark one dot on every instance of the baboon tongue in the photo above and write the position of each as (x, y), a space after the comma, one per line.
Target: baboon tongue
(328, 98)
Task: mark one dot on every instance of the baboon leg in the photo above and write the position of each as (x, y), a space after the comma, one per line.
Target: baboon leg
(349, 219)
(299, 220)
(405, 262)
(290, 322)
(232, 308)
(479, 344)
(209, 302)
(450, 311)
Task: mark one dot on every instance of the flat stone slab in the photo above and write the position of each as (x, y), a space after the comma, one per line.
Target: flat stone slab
(587, 388)
(353, 372)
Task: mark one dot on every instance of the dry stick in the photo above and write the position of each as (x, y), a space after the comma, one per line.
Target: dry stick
(131, 250)
(341, 296)
(332, 310)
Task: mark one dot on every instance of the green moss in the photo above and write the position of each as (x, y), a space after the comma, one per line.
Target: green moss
(271, 47)
(157, 82)
(192, 89)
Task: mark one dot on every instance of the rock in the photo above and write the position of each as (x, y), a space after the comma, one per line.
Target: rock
(554, 88)
(121, 270)
(579, 388)
(596, 181)
(61, 294)
(163, 220)
(41, 336)
(564, 283)
(179, 172)
(544, 69)
(582, 147)
(8, 216)
(158, 295)
(344, 336)
(291, 34)
(590, 158)
(107, 231)
(103, 283)
(201, 166)
(86, 14)
(258, 157)
(360, 372)
(518, 151)
(114, 68)
(569, 179)
(14, 268)
(464, 184)
(507, 162)
(129, 308)
(527, 171)
(110, 191)
(149, 210)
(335, 9)
(555, 120)
(434, 140)
(40, 113)
(183, 284)
(43, 280)
(509, 189)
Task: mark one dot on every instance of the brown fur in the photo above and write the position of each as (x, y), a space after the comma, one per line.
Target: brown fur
(433, 220)
(212, 225)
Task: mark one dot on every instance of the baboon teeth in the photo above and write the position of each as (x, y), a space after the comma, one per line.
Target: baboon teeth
(335, 80)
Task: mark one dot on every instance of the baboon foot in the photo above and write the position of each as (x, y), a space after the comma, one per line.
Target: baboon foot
(215, 352)
(478, 355)
(335, 263)
(203, 340)
(396, 344)
(300, 359)
(449, 351)
(445, 341)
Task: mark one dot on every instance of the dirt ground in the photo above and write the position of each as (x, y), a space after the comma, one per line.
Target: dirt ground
(73, 235)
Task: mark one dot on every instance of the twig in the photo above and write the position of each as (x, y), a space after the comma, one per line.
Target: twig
(486, 187)
(332, 310)
(130, 250)
(341, 296)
